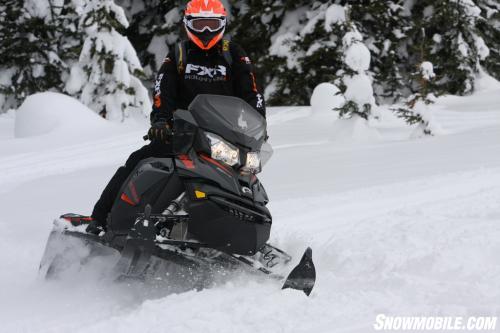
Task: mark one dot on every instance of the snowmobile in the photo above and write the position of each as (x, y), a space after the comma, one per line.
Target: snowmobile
(200, 213)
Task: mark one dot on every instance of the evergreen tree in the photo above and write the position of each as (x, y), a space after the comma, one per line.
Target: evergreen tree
(252, 24)
(416, 109)
(354, 80)
(308, 47)
(29, 55)
(384, 25)
(108, 71)
(70, 36)
(306, 51)
(489, 26)
(155, 27)
(454, 46)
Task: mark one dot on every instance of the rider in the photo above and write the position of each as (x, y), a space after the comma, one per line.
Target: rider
(204, 64)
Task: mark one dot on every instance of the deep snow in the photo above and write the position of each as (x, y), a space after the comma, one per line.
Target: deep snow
(397, 226)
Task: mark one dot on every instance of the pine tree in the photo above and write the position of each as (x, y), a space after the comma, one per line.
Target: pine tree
(155, 27)
(354, 79)
(252, 24)
(455, 47)
(29, 55)
(416, 109)
(384, 25)
(307, 51)
(489, 27)
(70, 36)
(108, 71)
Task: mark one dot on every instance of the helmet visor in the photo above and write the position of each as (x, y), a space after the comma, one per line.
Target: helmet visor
(211, 24)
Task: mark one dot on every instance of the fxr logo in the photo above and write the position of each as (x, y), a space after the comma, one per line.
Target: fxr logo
(205, 71)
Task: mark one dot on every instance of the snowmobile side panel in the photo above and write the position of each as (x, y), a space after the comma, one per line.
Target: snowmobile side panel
(153, 182)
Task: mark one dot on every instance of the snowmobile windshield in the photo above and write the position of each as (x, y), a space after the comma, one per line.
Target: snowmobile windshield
(231, 118)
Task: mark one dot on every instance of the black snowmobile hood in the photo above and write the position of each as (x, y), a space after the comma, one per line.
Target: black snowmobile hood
(229, 117)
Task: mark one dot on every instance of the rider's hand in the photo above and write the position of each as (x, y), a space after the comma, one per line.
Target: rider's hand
(95, 228)
(160, 131)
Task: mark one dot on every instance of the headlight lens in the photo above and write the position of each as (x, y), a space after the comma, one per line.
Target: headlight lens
(222, 150)
(253, 161)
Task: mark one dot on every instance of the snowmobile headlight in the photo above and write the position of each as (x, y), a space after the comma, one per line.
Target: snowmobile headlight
(223, 151)
(253, 161)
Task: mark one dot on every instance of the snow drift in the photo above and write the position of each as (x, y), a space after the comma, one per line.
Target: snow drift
(50, 112)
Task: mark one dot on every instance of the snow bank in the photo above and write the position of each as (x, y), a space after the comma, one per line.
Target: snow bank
(49, 112)
(325, 99)
(354, 130)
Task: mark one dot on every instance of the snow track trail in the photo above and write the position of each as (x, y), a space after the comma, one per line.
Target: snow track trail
(397, 226)
(67, 159)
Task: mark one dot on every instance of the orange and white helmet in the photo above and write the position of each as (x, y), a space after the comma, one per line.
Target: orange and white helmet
(205, 22)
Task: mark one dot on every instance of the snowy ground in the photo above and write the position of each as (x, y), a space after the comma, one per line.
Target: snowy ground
(397, 226)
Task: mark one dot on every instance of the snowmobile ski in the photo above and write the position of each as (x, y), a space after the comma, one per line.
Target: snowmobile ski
(303, 276)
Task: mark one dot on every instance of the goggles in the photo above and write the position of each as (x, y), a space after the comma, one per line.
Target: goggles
(201, 24)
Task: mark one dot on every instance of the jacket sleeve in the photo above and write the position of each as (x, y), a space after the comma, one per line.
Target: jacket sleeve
(244, 80)
(165, 91)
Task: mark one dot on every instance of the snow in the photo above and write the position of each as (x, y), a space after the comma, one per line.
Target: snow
(335, 14)
(397, 226)
(115, 91)
(463, 48)
(39, 8)
(49, 113)
(312, 19)
(353, 130)
(359, 89)
(159, 48)
(282, 48)
(325, 98)
(357, 55)
(482, 49)
(359, 84)
(427, 70)
(430, 124)
(172, 17)
(471, 10)
(76, 80)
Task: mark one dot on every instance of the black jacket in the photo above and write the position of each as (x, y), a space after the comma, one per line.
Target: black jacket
(204, 72)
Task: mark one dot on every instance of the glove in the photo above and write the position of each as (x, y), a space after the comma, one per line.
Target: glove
(160, 131)
(95, 228)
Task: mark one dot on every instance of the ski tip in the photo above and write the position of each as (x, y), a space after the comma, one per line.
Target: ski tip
(303, 276)
(308, 253)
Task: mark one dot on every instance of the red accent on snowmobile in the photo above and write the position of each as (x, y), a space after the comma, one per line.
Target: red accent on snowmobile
(188, 163)
(211, 160)
(77, 220)
(125, 198)
(133, 191)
